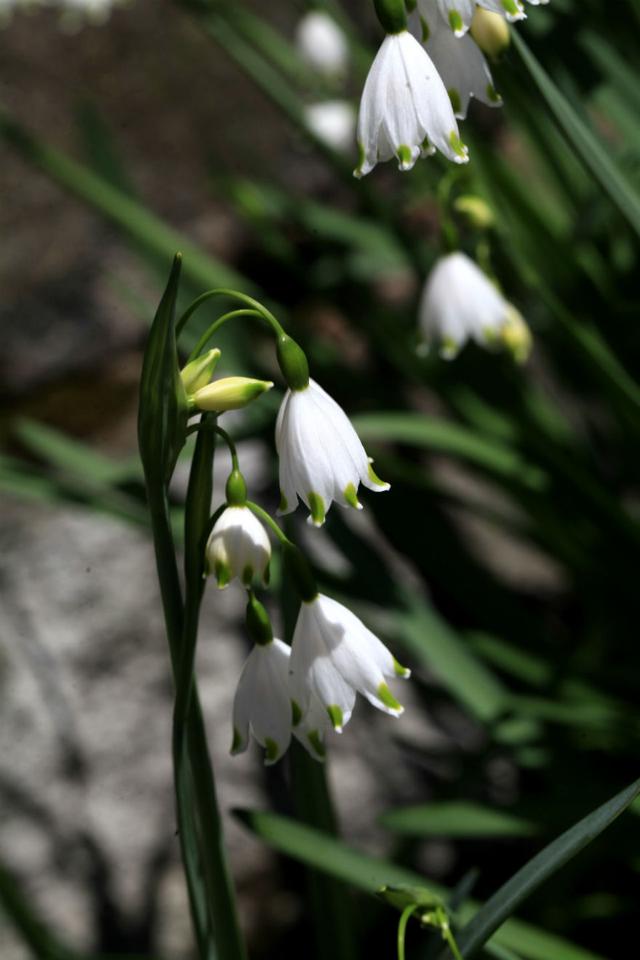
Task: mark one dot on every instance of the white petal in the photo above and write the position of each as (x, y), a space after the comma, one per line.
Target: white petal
(460, 302)
(239, 543)
(357, 654)
(262, 701)
(322, 44)
(451, 11)
(462, 67)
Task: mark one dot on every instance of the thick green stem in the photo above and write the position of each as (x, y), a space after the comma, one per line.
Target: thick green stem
(187, 715)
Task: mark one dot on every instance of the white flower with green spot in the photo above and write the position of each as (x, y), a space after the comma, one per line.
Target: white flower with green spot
(459, 13)
(321, 456)
(405, 110)
(460, 63)
(238, 547)
(460, 303)
(334, 656)
(263, 706)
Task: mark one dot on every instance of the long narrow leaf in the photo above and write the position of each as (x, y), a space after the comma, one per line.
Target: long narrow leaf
(509, 897)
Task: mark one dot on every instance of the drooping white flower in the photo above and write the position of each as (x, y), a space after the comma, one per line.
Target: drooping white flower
(334, 656)
(333, 122)
(263, 705)
(460, 63)
(321, 456)
(238, 547)
(405, 111)
(460, 303)
(322, 44)
(459, 13)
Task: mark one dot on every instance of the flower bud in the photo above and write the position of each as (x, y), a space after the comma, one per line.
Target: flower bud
(516, 337)
(476, 211)
(490, 31)
(198, 372)
(230, 393)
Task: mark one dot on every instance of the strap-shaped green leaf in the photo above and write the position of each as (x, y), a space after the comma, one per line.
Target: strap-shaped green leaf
(554, 856)
(588, 147)
(318, 849)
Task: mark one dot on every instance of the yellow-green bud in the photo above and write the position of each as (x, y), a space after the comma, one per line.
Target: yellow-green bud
(516, 336)
(198, 372)
(490, 31)
(476, 211)
(230, 393)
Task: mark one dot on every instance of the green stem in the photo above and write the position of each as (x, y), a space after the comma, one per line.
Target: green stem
(231, 445)
(221, 896)
(270, 522)
(402, 927)
(233, 295)
(215, 326)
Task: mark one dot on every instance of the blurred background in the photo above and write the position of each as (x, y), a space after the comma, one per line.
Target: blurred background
(503, 565)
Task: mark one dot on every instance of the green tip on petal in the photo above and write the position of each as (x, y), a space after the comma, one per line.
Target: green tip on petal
(336, 717)
(247, 575)
(351, 496)
(449, 348)
(316, 506)
(222, 574)
(455, 22)
(458, 146)
(426, 32)
(317, 745)
(361, 161)
(296, 713)
(456, 102)
(283, 503)
(266, 576)
(373, 476)
(405, 157)
(237, 743)
(511, 7)
(272, 751)
(492, 94)
(400, 671)
(388, 699)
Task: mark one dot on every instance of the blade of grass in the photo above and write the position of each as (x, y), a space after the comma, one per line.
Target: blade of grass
(370, 874)
(554, 856)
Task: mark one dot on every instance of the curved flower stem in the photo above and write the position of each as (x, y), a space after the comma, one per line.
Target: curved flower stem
(451, 943)
(271, 523)
(402, 927)
(234, 295)
(215, 326)
(231, 445)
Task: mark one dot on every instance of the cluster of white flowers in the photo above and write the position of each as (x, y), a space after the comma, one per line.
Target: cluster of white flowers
(310, 688)
(422, 77)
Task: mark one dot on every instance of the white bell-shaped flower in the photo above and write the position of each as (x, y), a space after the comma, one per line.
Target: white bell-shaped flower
(238, 547)
(321, 456)
(263, 705)
(405, 111)
(460, 63)
(334, 656)
(333, 122)
(322, 44)
(460, 303)
(459, 13)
